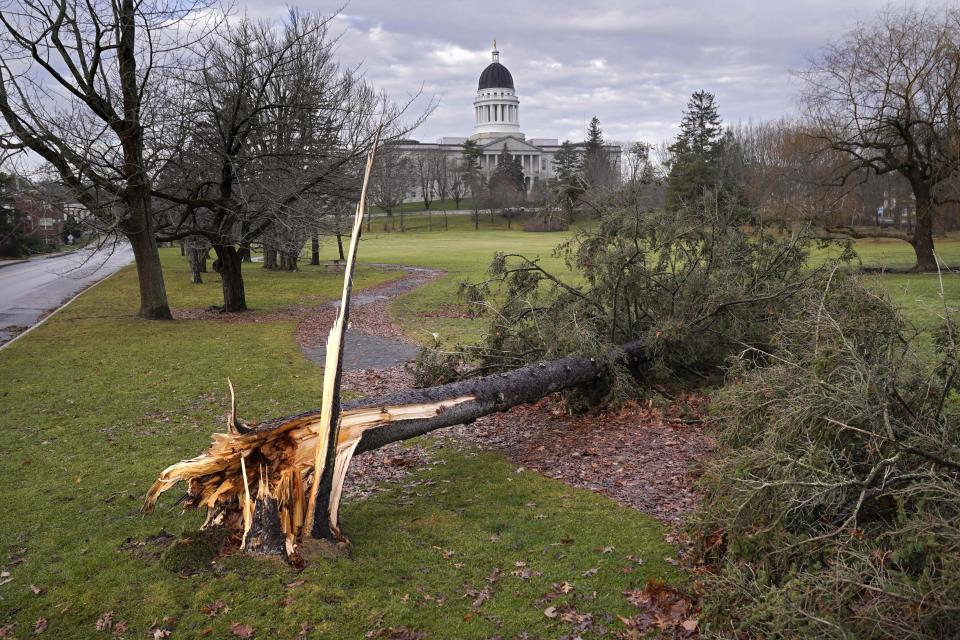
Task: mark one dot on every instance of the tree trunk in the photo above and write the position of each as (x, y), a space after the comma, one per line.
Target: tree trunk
(194, 256)
(183, 247)
(153, 292)
(340, 247)
(315, 250)
(923, 234)
(228, 264)
(246, 255)
(269, 257)
(288, 261)
(204, 254)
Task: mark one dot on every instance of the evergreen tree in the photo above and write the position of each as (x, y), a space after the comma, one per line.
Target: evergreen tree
(597, 168)
(594, 136)
(471, 153)
(567, 185)
(697, 152)
(510, 169)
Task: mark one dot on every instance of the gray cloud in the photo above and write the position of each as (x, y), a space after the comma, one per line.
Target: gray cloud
(633, 64)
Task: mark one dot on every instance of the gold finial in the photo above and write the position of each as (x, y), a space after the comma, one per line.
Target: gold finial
(494, 43)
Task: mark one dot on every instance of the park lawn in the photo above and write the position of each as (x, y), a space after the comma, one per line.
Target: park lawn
(96, 403)
(465, 254)
(436, 206)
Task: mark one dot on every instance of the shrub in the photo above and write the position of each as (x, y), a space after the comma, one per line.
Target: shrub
(832, 509)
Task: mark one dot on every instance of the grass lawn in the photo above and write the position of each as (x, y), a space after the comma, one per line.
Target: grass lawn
(465, 254)
(437, 206)
(95, 403)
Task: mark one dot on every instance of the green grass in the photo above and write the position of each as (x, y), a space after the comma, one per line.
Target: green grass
(464, 253)
(96, 403)
(897, 254)
(437, 205)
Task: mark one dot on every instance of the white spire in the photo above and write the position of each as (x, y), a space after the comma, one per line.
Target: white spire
(495, 54)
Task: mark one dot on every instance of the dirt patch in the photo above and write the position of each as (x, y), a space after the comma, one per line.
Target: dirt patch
(638, 455)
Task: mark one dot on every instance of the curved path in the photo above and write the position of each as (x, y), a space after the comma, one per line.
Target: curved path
(642, 456)
(373, 341)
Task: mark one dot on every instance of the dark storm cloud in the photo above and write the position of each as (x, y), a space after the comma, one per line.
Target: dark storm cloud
(633, 64)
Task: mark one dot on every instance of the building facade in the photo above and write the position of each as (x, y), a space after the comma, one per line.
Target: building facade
(496, 123)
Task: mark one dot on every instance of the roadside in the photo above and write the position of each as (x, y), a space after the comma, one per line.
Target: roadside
(31, 290)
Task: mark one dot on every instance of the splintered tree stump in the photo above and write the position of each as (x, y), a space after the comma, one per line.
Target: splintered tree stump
(265, 536)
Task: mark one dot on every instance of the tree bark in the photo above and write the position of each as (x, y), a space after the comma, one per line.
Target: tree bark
(340, 247)
(229, 264)
(153, 292)
(269, 257)
(315, 250)
(923, 234)
(194, 256)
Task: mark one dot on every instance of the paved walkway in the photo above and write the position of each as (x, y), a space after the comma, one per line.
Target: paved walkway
(31, 288)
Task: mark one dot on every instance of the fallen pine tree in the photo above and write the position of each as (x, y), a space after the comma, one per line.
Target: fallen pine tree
(275, 460)
(660, 296)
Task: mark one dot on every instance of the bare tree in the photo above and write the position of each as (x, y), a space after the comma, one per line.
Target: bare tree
(274, 125)
(789, 177)
(86, 86)
(392, 178)
(459, 181)
(423, 173)
(887, 95)
(441, 170)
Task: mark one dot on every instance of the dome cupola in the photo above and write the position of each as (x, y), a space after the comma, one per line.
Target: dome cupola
(496, 107)
(495, 76)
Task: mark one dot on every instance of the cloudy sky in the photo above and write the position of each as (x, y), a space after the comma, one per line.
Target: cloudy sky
(634, 64)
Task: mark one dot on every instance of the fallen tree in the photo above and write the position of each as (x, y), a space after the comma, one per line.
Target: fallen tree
(275, 460)
(655, 298)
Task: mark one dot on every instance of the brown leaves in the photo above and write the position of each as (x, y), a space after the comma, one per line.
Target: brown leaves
(524, 572)
(634, 455)
(105, 621)
(396, 633)
(164, 629)
(40, 626)
(241, 630)
(211, 610)
(663, 608)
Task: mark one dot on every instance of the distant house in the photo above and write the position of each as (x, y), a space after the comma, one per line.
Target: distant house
(39, 217)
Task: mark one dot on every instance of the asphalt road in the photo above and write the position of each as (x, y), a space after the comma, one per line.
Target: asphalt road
(28, 290)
